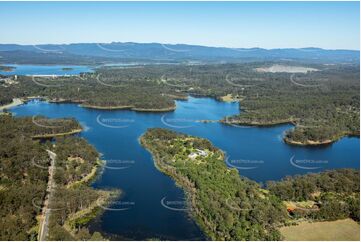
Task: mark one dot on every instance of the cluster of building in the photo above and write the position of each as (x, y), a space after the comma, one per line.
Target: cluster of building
(7, 81)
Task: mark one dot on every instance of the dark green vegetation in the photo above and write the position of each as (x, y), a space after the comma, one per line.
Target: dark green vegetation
(42, 127)
(24, 164)
(229, 207)
(226, 206)
(76, 208)
(20, 180)
(323, 105)
(74, 203)
(37, 126)
(76, 158)
(336, 194)
(105, 89)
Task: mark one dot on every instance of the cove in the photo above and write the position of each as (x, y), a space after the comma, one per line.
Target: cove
(259, 154)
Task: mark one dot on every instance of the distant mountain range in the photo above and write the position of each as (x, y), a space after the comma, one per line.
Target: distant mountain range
(92, 53)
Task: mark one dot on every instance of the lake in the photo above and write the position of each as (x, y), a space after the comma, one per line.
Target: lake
(45, 70)
(259, 154)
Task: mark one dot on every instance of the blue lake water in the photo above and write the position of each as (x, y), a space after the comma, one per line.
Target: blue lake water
(45, 70)
(259, 153)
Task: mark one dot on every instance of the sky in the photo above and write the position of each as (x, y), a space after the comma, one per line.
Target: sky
(329, 25)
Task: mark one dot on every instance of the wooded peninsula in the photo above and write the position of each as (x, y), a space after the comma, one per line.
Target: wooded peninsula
(25, 173)
(322, 104)
(230, 207)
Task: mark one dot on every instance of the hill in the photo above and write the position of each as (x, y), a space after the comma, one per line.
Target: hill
(164, 53)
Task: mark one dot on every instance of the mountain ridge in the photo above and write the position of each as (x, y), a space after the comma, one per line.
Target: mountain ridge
(122, 51)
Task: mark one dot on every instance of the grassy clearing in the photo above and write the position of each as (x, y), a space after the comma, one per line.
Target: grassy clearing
(304, 204)
(231, 98)
(284, 68)
(345, 229)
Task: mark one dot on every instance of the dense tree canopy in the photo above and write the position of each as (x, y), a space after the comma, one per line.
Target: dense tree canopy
(24, 164)
(324, 104)
(337, 193)
(225, 205)
(230, 207)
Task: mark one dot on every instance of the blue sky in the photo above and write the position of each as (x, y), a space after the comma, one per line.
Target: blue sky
(331, 25)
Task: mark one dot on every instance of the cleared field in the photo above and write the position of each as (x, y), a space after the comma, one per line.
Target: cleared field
(230, 98)
(283, 68)
(346, 229)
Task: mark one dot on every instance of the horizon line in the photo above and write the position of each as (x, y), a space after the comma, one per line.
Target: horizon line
(199, 45)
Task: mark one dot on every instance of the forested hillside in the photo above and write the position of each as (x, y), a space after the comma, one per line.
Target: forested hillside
(332, 194)
(20, 180)
(226, 206)
(74, 202)
(24, 164)
(323, 104)
(230, 207)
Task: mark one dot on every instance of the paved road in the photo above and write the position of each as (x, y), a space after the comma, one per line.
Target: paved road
(44, 228)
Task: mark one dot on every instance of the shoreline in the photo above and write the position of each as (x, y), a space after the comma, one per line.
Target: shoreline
(156, 110)
(320, 142)
(20, 101)
(104, 107)
(160, 146)
(89, 177)
(309, 142)
(294, 142)
(132, 108)
(85, 215)
(14, 103)
(179, 182)
(259, 124)
(46, 136)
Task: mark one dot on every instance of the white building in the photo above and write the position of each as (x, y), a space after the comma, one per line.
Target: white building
(198, 152)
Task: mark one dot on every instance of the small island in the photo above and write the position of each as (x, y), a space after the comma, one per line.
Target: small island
(310, 133)
(67, 68)
(7, 68)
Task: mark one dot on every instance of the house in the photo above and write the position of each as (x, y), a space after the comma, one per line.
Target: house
(197, 153)
(192, 155)
(202, 152)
